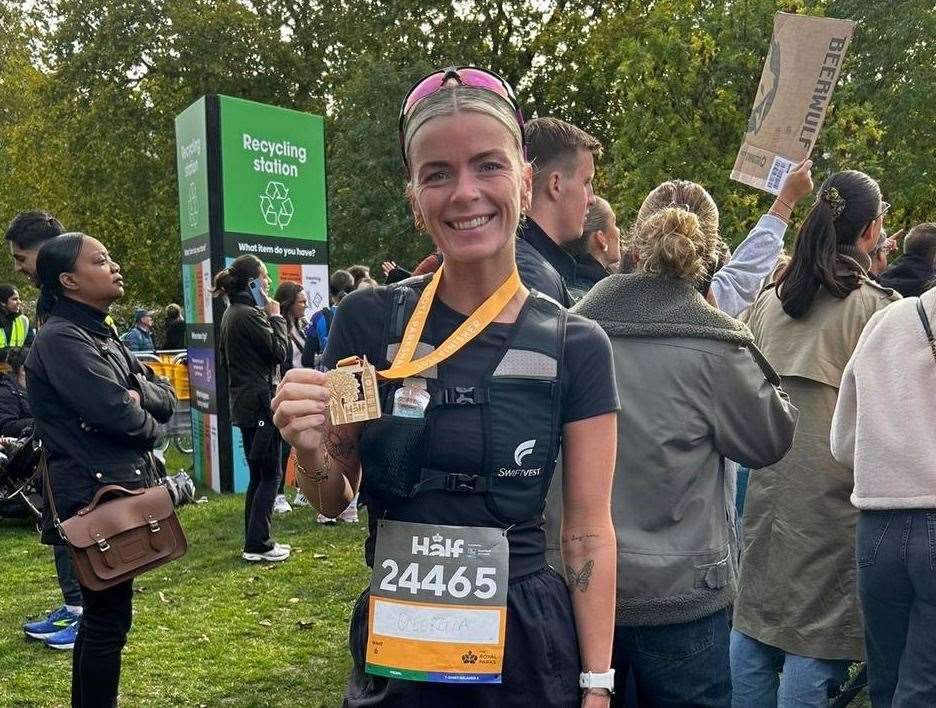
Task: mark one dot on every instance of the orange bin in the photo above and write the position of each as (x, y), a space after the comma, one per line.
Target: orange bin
(176, 372)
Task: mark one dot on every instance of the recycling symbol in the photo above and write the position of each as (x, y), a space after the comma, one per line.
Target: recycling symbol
(276, 205)
(193, 205)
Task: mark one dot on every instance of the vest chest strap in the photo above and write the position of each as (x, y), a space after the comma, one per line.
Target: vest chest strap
(437, 480)
(459, 396)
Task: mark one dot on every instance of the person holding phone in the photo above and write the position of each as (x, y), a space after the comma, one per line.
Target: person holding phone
(253, 346)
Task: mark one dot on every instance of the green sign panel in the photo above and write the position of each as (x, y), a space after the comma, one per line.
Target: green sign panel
(192, 165)
(273, 171)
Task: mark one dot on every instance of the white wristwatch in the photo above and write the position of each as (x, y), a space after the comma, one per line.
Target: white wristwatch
(589, 679)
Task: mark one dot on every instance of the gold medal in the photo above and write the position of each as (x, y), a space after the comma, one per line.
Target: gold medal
(352, 387)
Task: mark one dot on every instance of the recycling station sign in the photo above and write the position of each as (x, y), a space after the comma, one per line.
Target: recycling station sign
(251, 179)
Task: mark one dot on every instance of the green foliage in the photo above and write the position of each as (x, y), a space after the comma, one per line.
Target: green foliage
(89, 90)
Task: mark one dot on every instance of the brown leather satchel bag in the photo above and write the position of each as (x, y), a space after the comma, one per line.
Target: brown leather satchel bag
(116, 539)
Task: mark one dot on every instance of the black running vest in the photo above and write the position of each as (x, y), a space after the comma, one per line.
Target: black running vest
(520, 400)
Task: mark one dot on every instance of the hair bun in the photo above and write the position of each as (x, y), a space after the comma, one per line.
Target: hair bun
(671, 242)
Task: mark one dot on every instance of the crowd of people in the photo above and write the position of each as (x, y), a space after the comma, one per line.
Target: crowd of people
(587, 391)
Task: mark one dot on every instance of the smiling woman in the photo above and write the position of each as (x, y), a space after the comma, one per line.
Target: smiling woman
(493, 376)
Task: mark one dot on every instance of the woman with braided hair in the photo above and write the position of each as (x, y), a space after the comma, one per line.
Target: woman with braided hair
(797, 609)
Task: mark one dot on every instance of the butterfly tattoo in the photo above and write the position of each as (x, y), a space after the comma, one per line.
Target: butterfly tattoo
(579, 580)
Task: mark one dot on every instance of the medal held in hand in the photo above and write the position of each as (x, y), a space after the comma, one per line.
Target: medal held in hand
(352, 388)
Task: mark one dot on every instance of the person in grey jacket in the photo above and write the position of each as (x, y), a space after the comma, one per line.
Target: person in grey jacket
(694, 391)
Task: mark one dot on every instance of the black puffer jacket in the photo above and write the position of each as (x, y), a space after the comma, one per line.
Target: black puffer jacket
(15, 415)
(543, 266)
(79, 377)
(253, 346)
(909, 275)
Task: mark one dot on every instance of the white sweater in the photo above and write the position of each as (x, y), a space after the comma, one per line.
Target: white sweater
(884, 425)
(738, 283)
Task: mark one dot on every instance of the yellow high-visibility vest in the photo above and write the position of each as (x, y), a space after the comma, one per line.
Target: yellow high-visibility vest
(17, 334)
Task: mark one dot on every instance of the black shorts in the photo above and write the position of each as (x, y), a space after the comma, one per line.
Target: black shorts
(541, 657)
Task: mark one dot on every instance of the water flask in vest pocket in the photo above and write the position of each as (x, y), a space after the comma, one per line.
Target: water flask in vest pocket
(411, 399)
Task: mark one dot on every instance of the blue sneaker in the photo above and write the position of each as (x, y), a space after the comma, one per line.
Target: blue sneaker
(65, 638)
(55, 622)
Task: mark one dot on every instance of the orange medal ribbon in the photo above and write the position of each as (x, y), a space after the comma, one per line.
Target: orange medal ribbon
(403, 363)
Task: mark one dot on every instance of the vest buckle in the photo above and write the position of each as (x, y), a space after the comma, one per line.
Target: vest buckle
(457, 482)
(463, 396)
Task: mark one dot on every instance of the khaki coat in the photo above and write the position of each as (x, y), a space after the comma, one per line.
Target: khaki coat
(797, 585)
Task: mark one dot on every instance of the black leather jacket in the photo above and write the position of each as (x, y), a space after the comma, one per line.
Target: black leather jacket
(79, 377)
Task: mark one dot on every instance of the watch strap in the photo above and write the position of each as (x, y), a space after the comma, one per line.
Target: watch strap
(590, 679)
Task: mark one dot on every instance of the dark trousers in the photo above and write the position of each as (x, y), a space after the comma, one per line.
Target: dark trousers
(675, 665)
(67, 580)
(102, 634)
(896, 554)
(261, 493)
(541, 658)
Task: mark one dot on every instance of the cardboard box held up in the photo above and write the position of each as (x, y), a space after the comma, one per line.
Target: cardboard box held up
(800, 72)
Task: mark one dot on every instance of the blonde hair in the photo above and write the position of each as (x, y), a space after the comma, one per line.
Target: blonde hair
(676, 232)
(672, 243)
(692, 196)
(598, 217)
(453, 99)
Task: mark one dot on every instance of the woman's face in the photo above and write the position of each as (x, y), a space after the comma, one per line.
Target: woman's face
(469, 184)
(12, 304)
(96, 278)
(265, 278)
(612, 257)
(299, 306)
(873, 235)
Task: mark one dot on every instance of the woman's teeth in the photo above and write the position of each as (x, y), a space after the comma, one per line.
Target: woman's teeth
(471, 223)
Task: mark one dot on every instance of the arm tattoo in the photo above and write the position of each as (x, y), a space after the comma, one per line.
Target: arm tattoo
(316, 475)
(576, 538)
(579, 580)
(337, 446)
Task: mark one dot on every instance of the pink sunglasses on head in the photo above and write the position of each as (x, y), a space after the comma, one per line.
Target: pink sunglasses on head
(466, 76)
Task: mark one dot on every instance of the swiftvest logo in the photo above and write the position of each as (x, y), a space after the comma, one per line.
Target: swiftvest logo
(523, 449)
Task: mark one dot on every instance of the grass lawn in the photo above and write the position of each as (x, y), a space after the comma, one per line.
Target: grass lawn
(208, 629)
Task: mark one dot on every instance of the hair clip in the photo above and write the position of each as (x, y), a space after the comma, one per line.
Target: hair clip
(835, 200)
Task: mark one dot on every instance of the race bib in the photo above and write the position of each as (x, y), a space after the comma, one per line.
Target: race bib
(438, 603)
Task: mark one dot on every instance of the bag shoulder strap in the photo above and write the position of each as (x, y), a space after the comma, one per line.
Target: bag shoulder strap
(926, 326)
(47, 487)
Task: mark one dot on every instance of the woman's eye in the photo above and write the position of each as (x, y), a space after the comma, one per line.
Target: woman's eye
(436, 176)
(491, 166)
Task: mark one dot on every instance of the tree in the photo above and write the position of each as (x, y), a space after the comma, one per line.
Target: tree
(89, 90)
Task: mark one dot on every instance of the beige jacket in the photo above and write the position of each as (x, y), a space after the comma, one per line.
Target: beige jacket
(797, 587)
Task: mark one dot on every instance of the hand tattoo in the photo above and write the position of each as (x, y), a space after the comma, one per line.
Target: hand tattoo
(579, 580)
(336, 445)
